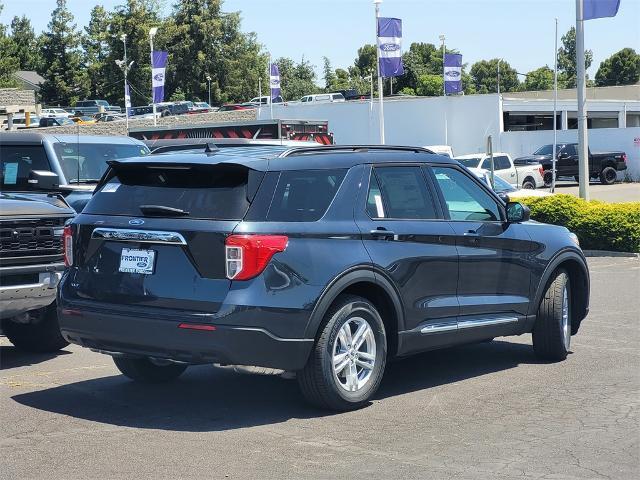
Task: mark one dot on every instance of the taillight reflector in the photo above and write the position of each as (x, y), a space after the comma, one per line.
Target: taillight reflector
(246, 256)
(197, 326)
(67, 242)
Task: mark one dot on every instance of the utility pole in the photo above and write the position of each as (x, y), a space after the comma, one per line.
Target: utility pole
(380, 95)
(444, 51)
(555, 110)
(152, 33)
(125, 68)
(583, 145)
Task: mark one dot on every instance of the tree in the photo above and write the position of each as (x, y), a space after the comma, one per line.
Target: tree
(8, 63)
(328, 74)
(539, 79)
(430, 85)
(96, 50)
(65, 81)
(621, 68)
(25, 44)
(484, 75)
(366, 62)
(567, 59)
(296, 79)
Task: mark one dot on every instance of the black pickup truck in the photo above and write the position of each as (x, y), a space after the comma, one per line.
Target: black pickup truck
(602, 165)
(31, 265)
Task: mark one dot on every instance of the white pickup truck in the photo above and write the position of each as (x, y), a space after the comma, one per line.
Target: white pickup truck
(526, 176)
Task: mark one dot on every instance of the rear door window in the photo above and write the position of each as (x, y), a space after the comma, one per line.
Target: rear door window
(217, 192)
(16, 163)
(304, 195)
(404, 194)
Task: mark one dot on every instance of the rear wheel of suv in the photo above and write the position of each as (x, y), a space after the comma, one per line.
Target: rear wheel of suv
(41, 335)
(608, 176)
(552, 329)
(346, 365)
(145, 371)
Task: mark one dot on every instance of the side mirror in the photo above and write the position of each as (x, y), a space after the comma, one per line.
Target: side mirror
(516, 212)
(43, 180)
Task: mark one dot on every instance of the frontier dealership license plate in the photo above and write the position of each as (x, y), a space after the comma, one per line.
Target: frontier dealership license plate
(137, 261)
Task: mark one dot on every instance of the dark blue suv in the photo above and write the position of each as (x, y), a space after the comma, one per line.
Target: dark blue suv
(322, 261)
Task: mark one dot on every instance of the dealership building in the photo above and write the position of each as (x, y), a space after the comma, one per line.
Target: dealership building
(518, 122)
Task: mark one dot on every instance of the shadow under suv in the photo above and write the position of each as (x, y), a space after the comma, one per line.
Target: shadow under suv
(325, 261)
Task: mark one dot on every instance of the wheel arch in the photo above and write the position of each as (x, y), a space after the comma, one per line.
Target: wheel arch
(362, 282)
(529, 178)
(576, 267)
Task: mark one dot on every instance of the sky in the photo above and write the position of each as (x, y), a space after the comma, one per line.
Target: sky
(519, 31)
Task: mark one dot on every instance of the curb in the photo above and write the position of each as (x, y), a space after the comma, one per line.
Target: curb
(606, 253)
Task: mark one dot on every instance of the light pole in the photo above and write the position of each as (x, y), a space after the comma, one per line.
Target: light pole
(125, 68)
(152, 33)
(381, 103)
(209, 82)
(444, 87)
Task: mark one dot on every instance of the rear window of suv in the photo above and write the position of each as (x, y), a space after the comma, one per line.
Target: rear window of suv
(304, 195)
(201, 192)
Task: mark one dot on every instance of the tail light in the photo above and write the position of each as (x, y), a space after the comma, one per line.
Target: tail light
(246, 256)
(541, 170)
(624, 157)
(67, 242)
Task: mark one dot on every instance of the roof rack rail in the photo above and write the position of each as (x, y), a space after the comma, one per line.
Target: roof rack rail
(351, 148)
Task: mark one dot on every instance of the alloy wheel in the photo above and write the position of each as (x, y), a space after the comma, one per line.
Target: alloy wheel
(354, 354)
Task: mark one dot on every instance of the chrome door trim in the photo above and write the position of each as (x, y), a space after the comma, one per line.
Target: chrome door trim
(485, 322)
(138, 236)
(439, 327)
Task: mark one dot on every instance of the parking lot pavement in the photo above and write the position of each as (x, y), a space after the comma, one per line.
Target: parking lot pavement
(489, 410)
(620, 192)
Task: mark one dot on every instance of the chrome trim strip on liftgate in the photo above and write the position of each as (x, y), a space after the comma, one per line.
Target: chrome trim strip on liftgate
(144, 236)
(478, 322)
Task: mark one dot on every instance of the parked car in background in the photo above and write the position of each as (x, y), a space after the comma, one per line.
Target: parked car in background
(602, 165)
(326, 261)
(78, 161)
(55, 121)
(89, 107)
(83, 120)
(237, 106)
(144, 112)
(441, 150)
(504, 189)
(202, 107)
(323, 97)
(54, 113)
(265, 100)
(109, 117)
(168, 109)
(31, 261)
(523, 176)
(20, 122)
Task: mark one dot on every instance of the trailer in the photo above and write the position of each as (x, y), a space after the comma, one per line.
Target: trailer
(305, 130)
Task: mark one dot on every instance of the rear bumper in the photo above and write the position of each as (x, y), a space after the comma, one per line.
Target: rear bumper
(161, 338)
(22, 298)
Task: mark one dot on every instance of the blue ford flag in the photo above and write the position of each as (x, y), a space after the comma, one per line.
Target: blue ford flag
(274, 82)
(600, 8)
(158, 67)
(127, 99)
(452, 73)
(390, 46)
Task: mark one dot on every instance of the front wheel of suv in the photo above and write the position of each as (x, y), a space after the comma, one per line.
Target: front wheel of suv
(145, 371)
(347, 362)
(552, 329)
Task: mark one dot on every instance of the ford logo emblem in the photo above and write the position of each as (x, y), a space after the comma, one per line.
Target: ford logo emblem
(453, 74)
(136, 221)
(142, 264)
(158, 77)
(389, 47)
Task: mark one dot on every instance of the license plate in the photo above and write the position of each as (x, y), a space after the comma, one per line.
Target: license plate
(137, 261)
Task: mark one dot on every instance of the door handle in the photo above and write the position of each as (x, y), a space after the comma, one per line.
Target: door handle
(382, 232)
(471, 233)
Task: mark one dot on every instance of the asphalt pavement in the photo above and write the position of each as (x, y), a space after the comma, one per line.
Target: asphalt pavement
(619, 192)
(488, 410)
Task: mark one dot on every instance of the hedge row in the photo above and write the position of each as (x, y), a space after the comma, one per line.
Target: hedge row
(598, 225)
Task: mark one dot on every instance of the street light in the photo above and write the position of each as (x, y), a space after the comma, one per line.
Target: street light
(125, 68)
(442, 39)
(209, 82)
(152, 33)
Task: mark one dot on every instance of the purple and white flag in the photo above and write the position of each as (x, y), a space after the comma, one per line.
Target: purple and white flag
(158, 67)
(390, 47)
(452, 73)
(274, 82)
(600, 8)
(127, 100)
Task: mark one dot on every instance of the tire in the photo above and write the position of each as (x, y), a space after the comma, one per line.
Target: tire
(144, 370)
(608, 176)
(529, 184)
(41, 336)
(552, 328)
(335, 389)
(547, 178)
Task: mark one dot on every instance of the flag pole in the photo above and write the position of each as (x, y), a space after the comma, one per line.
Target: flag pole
(270, 99)
(583, 145)
(380, 99)
(555, 110)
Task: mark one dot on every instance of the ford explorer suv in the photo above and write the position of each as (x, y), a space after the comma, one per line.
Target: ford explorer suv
(78, 160)
(603, 165)
(31, 265)
(327, 262)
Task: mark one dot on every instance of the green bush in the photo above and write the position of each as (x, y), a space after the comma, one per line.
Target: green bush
(598, 225)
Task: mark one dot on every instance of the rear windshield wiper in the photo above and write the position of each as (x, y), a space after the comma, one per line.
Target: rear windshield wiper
(162, 210)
